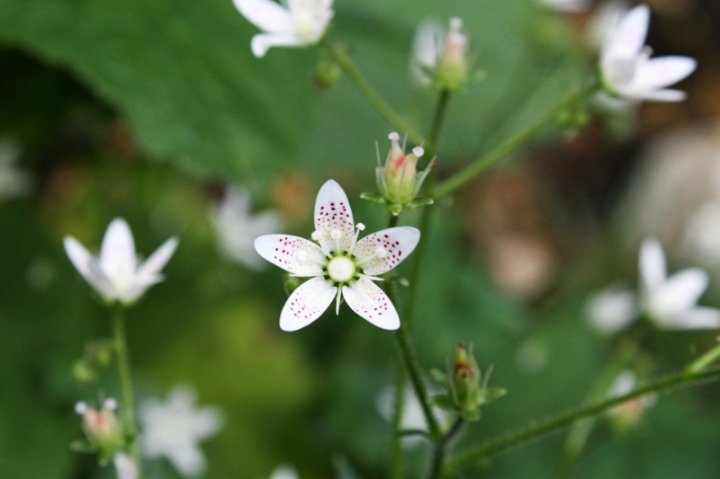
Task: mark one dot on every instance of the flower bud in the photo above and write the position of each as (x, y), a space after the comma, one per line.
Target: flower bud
(399, 181)
(467, 390)
(101, 426)
(452, 67)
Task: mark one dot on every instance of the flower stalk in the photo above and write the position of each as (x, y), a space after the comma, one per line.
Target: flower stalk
(126, 388)
(526, 435)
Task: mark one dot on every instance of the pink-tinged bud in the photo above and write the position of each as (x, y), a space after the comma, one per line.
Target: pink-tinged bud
(466, 385)
(452, 67)
(399, 181)
(101, 426)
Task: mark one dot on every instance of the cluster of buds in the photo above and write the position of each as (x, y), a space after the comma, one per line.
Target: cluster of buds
(103, 430)
(399, 181)
(467, 390)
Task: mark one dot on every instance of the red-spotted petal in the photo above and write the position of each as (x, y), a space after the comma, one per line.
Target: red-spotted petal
(292, 253)
(371, 303)
(333, 218)
(382, 251)
(307, 303)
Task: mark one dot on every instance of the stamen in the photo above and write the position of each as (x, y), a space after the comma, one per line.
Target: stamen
(110, 404)
(394, 136)
(360, 227)
(315, 235)
(456, 24)
(81, 407)
(337, 301)
(418, 151)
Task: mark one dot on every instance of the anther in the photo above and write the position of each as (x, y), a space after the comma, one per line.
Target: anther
(418, 151)
(394, 136)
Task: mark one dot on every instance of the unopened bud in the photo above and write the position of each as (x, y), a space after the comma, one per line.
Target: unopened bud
(101, 426)
(451, 72)
(465, 382)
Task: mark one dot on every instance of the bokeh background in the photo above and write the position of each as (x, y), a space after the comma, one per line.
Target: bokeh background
(149, 110)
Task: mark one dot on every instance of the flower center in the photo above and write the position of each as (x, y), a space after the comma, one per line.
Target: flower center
(341, 269)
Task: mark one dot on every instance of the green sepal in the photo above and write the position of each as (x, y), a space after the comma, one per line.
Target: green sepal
(373, 198)
(492, 394)
(82, 446)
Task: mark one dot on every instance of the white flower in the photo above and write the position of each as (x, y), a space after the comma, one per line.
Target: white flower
(299, 23)
(702, 233)
(670, 301)
(567, 5)
(13, 182)
(173, 429)
(117, 274)
(284, 472)
(626, 67)
(341, 266)
(612, 309)
(237, 227)
(124, 466)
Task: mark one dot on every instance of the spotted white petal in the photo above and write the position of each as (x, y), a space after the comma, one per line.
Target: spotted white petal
(652, 265)
(307, 303)
(333, 218)
(262, 42)
(664, 71)
(382, 251)
(293, 254)
(371, 303)
(698, 317)
(679, 293)
(266, 15)
(117, 253)
(157, 261)
(628, 37)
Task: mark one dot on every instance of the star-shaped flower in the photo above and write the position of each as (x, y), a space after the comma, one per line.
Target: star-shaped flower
(299, 23)
(338, 264)
(118, 275)
(625, 64)
(670, 301)
(175, 427)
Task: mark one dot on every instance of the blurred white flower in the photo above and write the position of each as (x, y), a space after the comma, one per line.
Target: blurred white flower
(412, 418)
(702, 237)
(567, 5)
(612, 309)
(440, 55)
(338, 264)
(671, 301)
(626, 67)
(174, 428)
(118, 274)
(297, 23)
(629, 412)
(13, 182)
(237, 227)
(124, 466)
(603, 20)
(284, 472)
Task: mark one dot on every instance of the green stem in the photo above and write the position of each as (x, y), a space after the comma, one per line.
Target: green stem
(437, 122)
(364, 87)
(510, 146)
(531, 433)
(442, 446)
(705, 360)
(126, 388)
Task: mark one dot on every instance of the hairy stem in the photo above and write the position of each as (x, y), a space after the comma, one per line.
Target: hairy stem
(364, 87)
(533, 432)
(126, 389)
(456, 181)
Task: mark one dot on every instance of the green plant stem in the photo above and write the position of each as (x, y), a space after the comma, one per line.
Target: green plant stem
(364, 87)
(531, 433)
(705, 360)
(456, 181)
(437, 122)
(441, 447)
(126, 389)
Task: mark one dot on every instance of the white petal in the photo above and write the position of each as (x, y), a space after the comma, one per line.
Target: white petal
(263, 42)
(679, 293)
(157, 261)
(267, 15)
(695, 318)
(659, 95)
(334, 218)
(88, 268)
(189, 461)
(652, 265)
(124, 466)
(307, 303)
(382, 251)
(628, 37)
(117, 254)
(664, 71)
(612, 310)
(292, 253)
(371, 303)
